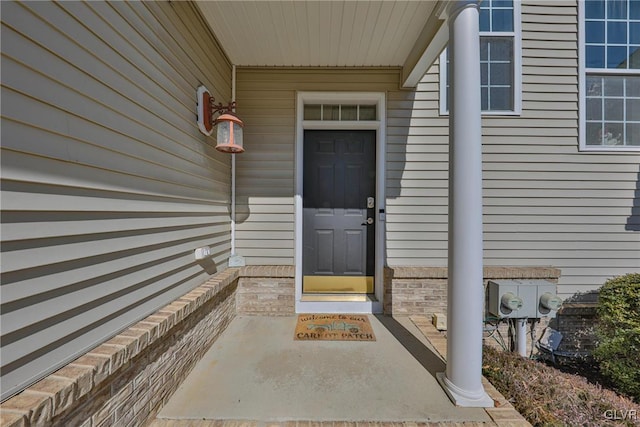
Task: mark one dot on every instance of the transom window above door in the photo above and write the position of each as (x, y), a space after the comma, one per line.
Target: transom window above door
(340, 112)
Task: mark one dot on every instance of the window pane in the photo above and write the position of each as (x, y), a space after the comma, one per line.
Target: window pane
(633, 134)
(484, 74)
(594, 109)
(617, 9)
(595, 56)
(616, 57)
(502, 20)
(500, 48)
(594, 134)
(368, 112)
(633, 109)
(613, 134)
(634, 57)
(312, 112)
(594, 31)
(485, 22)
(634, 9)
(502, 3)
(500, 74)
(501, 98)
(594, 86)
(330, 112)
(613, 86)
(594, 9)
(614, 109)
(484, 99)
(617, 32)
(634, 32)
(484, 49)
(633, 86)
(349, 112)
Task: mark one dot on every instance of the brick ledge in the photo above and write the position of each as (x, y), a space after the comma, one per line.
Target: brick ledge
(268, 271)
(51, 396)
(488, 272)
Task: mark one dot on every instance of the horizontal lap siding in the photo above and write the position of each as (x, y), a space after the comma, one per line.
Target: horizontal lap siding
(545, 203)
(417, 176)
(107, 184)
(266, 171)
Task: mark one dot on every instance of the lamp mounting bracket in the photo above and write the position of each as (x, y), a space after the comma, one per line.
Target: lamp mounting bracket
(219, 108)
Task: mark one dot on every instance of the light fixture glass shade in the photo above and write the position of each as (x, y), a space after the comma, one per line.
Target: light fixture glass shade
(229, 134)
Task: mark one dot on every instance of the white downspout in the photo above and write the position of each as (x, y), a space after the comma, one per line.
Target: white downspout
(233, 173)
(465, 296)
(235, 260)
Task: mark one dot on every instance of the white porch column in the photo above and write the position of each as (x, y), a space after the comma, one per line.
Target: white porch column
(463, 377)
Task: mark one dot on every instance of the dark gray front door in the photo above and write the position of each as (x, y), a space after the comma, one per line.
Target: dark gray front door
(338, 201)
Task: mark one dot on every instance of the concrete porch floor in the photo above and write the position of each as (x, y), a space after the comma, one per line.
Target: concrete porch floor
(256, 372)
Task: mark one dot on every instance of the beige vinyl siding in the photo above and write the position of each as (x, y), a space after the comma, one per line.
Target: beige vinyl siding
(107, 184)
(266, 171)
(417, 176)
(545, 203)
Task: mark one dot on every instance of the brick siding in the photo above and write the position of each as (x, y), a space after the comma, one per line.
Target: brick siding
(266, 291)
(576, 320)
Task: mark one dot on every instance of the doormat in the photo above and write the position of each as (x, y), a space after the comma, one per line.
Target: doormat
(334, 327)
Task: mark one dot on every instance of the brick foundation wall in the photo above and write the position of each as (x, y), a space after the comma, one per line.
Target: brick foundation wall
(266, 291)
(411, 291)
(576, 321)
(126, 380)
(423, 290)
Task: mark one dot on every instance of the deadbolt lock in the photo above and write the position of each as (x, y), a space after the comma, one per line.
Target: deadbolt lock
(371, 203)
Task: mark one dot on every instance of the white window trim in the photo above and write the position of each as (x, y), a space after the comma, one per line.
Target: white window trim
(374, 98)
(517, 67)
(582, 98)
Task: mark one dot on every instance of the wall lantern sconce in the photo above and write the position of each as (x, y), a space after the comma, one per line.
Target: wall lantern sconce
(229, 125)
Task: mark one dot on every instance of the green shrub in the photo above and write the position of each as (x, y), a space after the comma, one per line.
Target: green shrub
(618, 331)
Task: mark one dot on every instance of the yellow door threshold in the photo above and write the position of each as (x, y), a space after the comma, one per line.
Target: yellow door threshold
(337, 284)
(318, 297)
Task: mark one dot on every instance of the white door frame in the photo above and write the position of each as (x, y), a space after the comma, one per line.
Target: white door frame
(353, 98)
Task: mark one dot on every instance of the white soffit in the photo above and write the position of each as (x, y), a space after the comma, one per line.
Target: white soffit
(317, 33)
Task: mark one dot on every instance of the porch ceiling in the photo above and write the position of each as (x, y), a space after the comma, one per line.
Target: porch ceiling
(334, 33)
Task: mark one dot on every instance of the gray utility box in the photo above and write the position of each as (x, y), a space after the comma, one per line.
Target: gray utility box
(531, 299)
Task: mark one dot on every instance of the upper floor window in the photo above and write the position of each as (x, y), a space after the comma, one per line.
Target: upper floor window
(500, 81)
(610, 74)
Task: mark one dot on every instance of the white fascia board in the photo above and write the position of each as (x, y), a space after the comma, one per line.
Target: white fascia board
(432, 40)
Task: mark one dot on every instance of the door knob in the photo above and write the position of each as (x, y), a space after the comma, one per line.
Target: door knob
(368, 222)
